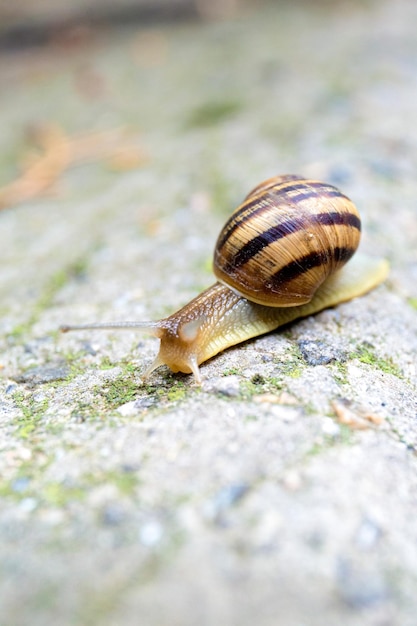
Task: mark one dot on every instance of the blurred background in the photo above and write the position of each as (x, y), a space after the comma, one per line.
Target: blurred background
(29, 22)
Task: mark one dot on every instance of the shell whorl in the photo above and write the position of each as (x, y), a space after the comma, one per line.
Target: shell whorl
(285, 239)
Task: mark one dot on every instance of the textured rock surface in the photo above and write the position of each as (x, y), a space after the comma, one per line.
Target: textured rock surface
(284, 490)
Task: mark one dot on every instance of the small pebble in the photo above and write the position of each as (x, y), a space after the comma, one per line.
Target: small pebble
(135, 406)
(25, 453)
(267, 531)
(320, 353)
(113, 515)
(368, 534)
(224, 499)
(88, 348)
(151, 534)
(145, 402)
(292, 480)
(20, 484)
(27, 505)
(330, 427)
(43, 374)
(358, 587)
(226, 386)
(127, 409)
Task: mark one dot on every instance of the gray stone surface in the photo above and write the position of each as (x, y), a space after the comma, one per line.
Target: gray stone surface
(283, 491)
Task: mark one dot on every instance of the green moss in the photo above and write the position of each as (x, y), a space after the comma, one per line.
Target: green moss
(340, 372)
(292, 364)
(125, 388)
(45, 300)
(260, 384)
(232, 371)
(207, 264)
(76, 363)
(401, 436)
(274, 383)
(57, 281)
(59, 494)
(413, 303)
(212, 113)
(83, 411)
(258, 379)
(285, 129)
(248, 389)
(31, 413)
(220, 192)
(176, 390)
(126, 482)
(106, 364)
(119, 391)
(76, 367)
(20, 330)
(345, 436)
(365, 354)
(176, 394)
(295, 372)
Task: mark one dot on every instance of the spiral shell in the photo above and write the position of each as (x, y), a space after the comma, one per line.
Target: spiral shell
(285, 239)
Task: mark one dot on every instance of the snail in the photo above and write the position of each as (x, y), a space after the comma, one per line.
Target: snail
(282, 255)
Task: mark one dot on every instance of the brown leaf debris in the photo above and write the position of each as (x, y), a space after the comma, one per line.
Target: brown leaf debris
(56, 152)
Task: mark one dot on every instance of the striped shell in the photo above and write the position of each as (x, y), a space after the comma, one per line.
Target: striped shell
(285, 239)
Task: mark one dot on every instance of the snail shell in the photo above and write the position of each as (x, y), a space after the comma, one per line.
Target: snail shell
(286, 238)
(280, 256)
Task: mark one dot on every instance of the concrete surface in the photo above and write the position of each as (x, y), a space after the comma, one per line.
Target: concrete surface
(284, 490)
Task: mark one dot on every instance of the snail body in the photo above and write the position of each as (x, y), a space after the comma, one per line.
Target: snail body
(282, 255)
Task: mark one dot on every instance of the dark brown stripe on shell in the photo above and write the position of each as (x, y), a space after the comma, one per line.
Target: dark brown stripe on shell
(295, 269)
(245, 213)
(234, 221)
(258, 205)
(346, 219)
(258, 243)
(325, 192)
